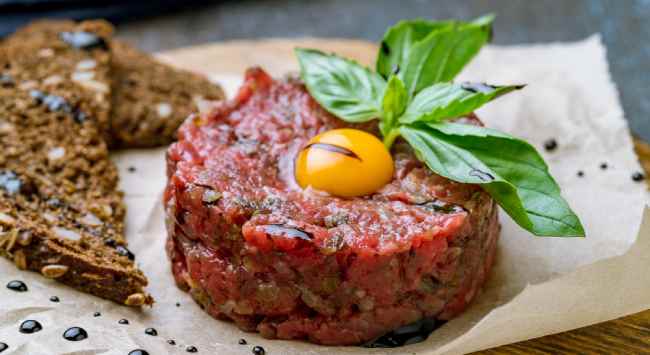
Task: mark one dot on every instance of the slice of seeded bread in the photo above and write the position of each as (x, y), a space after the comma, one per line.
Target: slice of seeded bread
(73, 59)
(61, 213)
(151, 99)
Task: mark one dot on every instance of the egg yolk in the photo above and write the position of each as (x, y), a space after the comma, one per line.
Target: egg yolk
(344, 162)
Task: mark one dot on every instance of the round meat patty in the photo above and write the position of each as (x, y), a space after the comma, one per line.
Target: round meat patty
(252, 247)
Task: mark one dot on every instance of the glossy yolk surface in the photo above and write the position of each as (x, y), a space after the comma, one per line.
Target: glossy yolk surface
(344, 162)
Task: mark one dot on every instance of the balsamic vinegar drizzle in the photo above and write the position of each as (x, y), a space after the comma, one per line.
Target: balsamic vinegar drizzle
(75, 334)
(409, 334)
(482, 88)
(279, 229)
(334, 149)
(30, 326)
(550, 145)
(638, 176)
(17, 285)
(483, 175)
(3, 347)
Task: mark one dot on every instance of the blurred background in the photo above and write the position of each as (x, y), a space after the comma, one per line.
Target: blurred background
(158, 25)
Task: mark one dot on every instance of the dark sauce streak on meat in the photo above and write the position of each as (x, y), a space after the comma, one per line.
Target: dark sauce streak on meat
(3, 347)
(409, 334)
(484, 176)
(279, 229)
(442, 206)
(83, 40)
(334, 149)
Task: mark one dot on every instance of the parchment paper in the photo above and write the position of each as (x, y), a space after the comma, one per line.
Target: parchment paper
(539, 285)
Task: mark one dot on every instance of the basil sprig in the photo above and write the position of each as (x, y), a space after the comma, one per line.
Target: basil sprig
(412, 96)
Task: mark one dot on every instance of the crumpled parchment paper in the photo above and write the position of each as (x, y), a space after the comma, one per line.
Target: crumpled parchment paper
(539, 286)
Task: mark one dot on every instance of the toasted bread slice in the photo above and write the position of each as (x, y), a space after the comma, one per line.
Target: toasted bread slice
(151, 99)
(61, 213)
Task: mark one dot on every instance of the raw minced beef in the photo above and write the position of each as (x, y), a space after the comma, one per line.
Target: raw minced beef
(252, 247)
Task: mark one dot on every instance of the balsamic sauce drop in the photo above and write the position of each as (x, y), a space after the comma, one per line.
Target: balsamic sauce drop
(171, 342)
(30, 326)
(17, 285)
(550, 145)
(192, 349)
(242, 341)
(3, 347)
(123, 321)
(258, 350)
(97, 314)
(55, 299)
(409, 334)
(75, 334)
(151, 331)
(638, 176)
(138, 352)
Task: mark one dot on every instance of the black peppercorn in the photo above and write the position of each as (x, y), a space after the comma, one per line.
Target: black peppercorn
(550, 145)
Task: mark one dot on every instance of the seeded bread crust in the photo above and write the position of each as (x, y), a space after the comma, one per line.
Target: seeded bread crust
(44, 56)
(150, 99)
(61, 213)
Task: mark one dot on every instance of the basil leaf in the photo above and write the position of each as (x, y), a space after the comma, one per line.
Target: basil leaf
(441, 55)
(343, 87)
(399, 39)
(393, 103)
(509, 169)
(446, 100)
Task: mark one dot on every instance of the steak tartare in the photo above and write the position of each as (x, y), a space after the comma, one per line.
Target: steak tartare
(251, 246)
